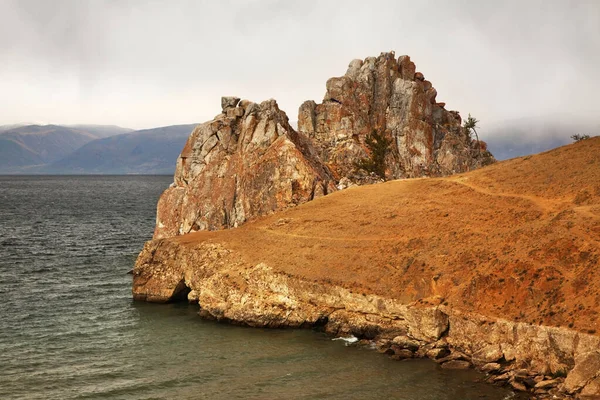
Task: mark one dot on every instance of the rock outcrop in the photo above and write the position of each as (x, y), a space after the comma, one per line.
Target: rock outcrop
(387, 95)
(248, 161)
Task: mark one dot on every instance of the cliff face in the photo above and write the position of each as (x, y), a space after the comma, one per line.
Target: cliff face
(495, 268)
(247, 161)
(388, 96)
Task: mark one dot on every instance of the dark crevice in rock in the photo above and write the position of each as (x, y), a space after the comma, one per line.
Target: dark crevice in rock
(321, 323)
(446, 331)
(180, 293)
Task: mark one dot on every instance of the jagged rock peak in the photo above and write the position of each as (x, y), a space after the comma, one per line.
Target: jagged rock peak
(247, 161)
(228, 102)
(389, 96)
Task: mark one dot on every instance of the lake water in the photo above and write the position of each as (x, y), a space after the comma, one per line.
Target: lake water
(69, 329)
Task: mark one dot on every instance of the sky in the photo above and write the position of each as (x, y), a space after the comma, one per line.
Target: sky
(149, 63)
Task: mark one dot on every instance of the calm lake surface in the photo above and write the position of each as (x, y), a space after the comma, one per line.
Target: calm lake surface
(69, 329)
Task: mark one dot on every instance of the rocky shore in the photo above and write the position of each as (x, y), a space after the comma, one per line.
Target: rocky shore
(548, 362)
(493, 268)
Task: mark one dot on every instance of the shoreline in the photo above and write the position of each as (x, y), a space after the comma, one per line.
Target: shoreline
(541, 360)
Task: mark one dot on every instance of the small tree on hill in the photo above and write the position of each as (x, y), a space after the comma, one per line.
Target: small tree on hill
(378, 145)
(579, 138)
(470, 124)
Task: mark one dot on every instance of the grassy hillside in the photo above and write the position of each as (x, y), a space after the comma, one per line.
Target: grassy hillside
(518, 240)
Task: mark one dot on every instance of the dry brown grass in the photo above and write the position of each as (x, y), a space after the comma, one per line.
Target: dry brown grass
(519, 239)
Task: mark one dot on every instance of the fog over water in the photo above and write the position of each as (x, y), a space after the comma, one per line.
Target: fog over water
(143, 64)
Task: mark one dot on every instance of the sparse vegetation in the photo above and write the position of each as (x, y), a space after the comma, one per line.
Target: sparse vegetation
(579, 138)
(470, 125)
(378, 145)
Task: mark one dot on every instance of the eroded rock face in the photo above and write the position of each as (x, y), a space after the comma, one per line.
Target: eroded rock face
(387, 95)
(227, 288)
(248, 161)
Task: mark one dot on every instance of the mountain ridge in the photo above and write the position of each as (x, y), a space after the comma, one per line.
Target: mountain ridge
(147, 151)
(27, 146)
(61, 149)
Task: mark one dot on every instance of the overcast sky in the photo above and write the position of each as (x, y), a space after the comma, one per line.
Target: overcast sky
(150, 63)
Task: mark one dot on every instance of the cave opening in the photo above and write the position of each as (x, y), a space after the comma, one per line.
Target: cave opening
(180, 293)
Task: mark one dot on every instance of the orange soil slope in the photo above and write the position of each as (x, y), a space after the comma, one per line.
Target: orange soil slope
(518, 240)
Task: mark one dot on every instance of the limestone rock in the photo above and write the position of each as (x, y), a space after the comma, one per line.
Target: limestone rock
(405, 342)
(518, 386)
(245, 163)
(402, 354)
(587, 367)
(455, 355)
(547, 384)
(501, 378)
(545, 349)
(488, 354)
(591, 390)
(437, 353)
(227, 289)
(491, 367)
(387, 95)
(228, 102)
(428, 324)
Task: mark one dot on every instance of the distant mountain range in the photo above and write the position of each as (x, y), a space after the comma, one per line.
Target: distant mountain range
(22, 147)
(90, 149)
(149, 151)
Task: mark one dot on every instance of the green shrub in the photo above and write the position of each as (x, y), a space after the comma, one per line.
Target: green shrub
(378, 145)
(579, 138)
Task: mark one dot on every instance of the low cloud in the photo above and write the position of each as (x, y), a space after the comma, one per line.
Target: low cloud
(148, 63)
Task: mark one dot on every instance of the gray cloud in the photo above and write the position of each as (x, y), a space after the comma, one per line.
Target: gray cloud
(147, 63)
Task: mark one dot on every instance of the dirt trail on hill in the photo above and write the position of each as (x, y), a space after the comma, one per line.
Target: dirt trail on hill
(545, 205)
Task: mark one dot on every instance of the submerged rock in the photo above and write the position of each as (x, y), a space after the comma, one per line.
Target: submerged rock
(456, 364)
